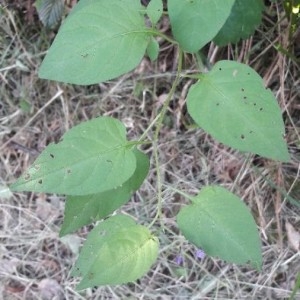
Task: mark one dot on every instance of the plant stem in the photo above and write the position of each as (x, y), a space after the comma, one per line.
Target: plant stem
(148, 128)
(154, 31)
(156, 136)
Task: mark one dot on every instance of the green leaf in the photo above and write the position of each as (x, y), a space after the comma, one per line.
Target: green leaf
(154, 11)
(83, 210)
(100, 40)
(292, 11)
(232, 104)
(196, 22)
(153, 49)
(116, 251)
(92, 157)
(219, 223)
(50, 11)
(241, 23)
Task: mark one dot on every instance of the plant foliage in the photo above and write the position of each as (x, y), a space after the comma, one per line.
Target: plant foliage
(241, 22)
(231, 103)
(92, 157)
(116, 251)
(98, 169)
(83, 210)
(192, 24)
(50, 11)
(210, 224)
(93, 43)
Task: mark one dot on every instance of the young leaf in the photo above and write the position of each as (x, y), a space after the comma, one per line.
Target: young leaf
(232, 104)
(154, 11)
(241, 22)
(83, 210)
(49, 11)
(196, 22)
(220, 224)
(92, 157)
(116, 251)
(100, 40)
(153, 49)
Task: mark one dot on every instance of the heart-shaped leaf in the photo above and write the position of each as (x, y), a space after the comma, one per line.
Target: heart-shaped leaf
(219, 223)
(92, 157)
(116, 251)
(232, 104)
(100, 40)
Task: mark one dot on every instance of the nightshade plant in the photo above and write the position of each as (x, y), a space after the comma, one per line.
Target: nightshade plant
(98, 169)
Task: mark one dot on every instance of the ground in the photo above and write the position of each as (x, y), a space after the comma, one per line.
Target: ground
(35, 262)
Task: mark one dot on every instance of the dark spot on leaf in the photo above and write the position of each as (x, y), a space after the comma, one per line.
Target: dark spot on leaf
(218, 104)
(102, 233)
(242, 137)
(254, 103)
(40, 181)
(109, 161)
(27, 176)
(51, 155)
(250, 131)
(248, 73)
(244, 97)
(242, 89)
(220, 69)
(261, 109)
(69, 171)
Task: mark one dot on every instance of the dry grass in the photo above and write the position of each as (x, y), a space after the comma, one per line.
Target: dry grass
(35, 263)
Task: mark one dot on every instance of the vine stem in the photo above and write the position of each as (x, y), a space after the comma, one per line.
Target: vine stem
(156, 136)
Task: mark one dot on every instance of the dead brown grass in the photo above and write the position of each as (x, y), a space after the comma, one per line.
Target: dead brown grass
(35, 263)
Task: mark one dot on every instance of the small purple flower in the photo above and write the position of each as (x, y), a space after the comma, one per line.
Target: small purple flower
(179, 260)
(200, 254)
